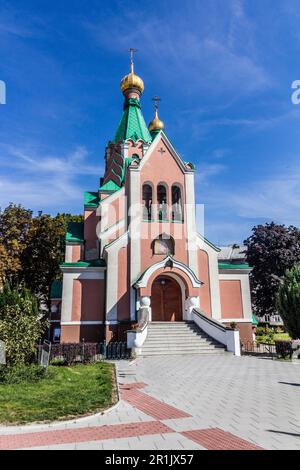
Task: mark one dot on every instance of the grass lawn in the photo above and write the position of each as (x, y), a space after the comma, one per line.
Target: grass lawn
(64, 393)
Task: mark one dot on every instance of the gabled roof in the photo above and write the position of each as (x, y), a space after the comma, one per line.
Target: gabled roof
(91, 199)
(56, 289)
(132, 124)
(75, 232)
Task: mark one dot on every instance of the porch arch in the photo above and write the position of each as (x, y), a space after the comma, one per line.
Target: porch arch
(180, 271)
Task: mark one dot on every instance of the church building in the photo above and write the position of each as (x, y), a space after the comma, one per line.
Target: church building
(138, 248)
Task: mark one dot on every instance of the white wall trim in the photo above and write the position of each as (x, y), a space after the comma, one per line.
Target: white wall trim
(85, 322)
(143, 281)
(213, 269)
(83, 273)
(190, 216)
(68, 254)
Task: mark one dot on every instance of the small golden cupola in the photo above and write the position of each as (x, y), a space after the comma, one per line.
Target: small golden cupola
(156, 124)
(132, 81)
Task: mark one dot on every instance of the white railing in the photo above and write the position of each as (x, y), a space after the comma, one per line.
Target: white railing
(224, 335)
(137, 336)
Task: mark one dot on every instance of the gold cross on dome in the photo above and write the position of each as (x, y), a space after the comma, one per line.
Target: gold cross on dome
(132, 51)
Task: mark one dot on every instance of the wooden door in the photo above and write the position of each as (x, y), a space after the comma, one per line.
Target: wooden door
(166, 300)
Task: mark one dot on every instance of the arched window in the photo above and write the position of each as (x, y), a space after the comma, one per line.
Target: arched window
(177, 212)
(162, 203)
(147, 202)
(163, 245)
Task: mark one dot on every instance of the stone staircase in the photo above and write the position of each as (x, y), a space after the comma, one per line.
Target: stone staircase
(178, 338)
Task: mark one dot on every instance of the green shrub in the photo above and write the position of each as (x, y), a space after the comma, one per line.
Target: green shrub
(264, 331)
(288, 301)
(21, 374)
(284, 348)
(20, 324)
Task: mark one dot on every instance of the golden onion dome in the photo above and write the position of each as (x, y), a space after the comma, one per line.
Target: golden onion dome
(132, 81)
(156, 124)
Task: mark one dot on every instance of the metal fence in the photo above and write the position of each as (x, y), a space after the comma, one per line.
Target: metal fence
(70, 353)
(259, 349)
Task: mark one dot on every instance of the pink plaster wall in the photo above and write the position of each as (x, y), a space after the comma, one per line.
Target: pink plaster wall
(76, 253)
(76, 300)
(90, 224)
(113, 212)
(162, 169)
(92, 299)
(88, 300)
(135, 147)
(231, 299)
(123, 286)
(75, 333)
(205, 294)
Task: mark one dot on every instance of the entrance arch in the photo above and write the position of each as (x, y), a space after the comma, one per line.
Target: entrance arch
(166, 299)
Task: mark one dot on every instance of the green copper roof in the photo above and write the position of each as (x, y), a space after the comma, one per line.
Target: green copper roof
(56, 289)
(233, 266)
(75, 232)
(254, 321)
(132, 124)
(109, 186)
(91, 199)
(95, 263)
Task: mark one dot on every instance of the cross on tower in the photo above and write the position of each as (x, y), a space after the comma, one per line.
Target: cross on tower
(156, 99)
(161, 151)
(132, 51)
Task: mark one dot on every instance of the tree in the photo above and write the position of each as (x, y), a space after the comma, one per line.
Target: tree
(20, 323)
(288, 301)
(271, 250)
(44, 253)
(31, 248)
(15, 222)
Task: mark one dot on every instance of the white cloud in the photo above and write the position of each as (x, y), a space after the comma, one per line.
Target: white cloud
(198, 45)
(276, 197)
(208, 170)
(43, 182)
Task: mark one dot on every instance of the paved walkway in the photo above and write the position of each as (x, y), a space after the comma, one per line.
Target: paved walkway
(184, 402)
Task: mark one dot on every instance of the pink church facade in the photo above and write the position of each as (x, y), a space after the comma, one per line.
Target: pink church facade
(138, 246)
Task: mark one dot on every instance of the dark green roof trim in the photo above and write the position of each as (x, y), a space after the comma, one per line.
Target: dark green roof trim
(132, 124)
(208, 242)
(109, 186)
(75, 232)
(91, 199)
(233, 266)
(56, 289)
(96, 263)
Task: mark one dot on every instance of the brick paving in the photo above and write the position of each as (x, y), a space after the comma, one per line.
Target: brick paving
(151, 406)
(216, 439)
(187, 402)
(91, 433)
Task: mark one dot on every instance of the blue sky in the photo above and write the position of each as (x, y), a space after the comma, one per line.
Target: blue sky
(223, 69)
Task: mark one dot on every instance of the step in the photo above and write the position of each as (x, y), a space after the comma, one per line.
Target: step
(179, 338)
(182, 347)
(177, 341)
(182, 353)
